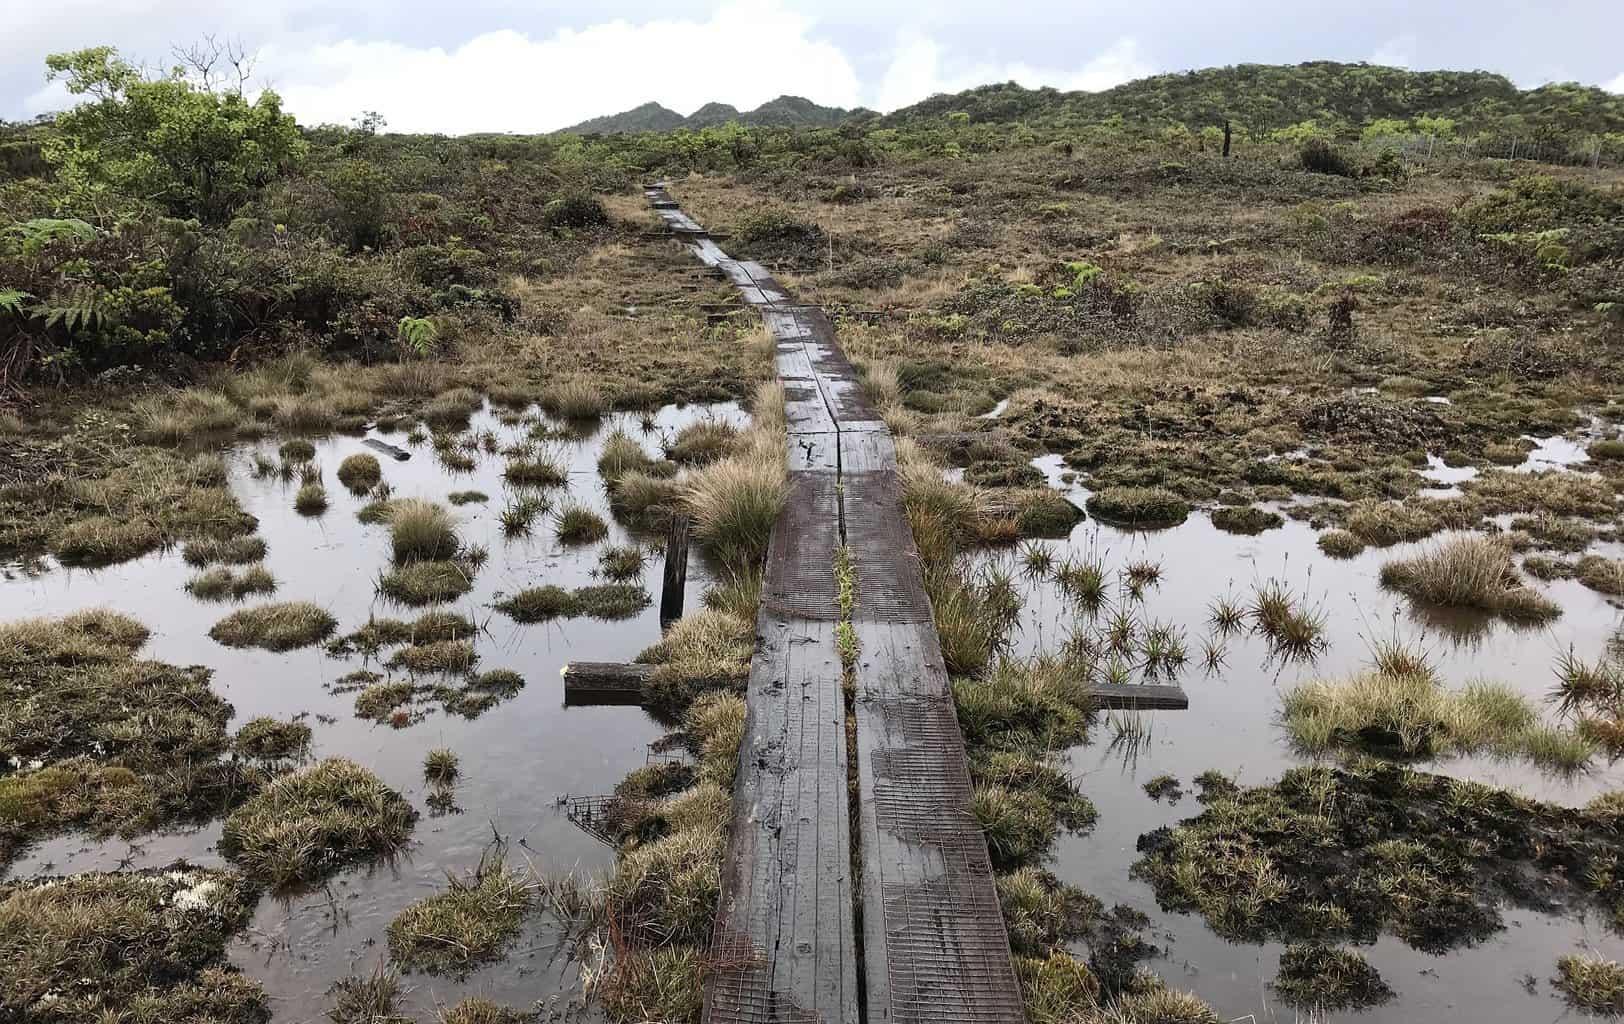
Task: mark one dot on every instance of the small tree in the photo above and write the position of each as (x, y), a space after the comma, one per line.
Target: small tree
(187, 142)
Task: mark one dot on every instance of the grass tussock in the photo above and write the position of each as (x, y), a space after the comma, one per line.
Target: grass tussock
(577, 524)
(573, 400)
(1470, 572)
(701, 652)
(468, 923)
(439, 656)
(1408, 713)
(360, 472)
(1321, 978)
(311, 500)
(1591, 984)
(104, 946)
(220, 582)
(268, 739)
(306, 825)
(735, 502)
(276, 627)
(416, 584)
(604, 601)
(421, 531)
(1141, 508)
(702, 443)
(209, 551)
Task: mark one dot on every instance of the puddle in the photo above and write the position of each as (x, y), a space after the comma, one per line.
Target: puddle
(1232, 725)
(518, 759)
(1556, 452)
(996, 411)
(1440, 472)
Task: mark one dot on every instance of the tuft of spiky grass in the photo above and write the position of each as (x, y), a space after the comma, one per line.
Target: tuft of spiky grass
(577, 524)
(296, 451)
(1083, 579)
(360, 472)
(573, 400)
(421, 531)
(1469, 571)
(1037, 561)
(1603, 575)
(1394, 657)
(1226, 615)
(267, 739)
(440, 765)
(621, 563)
(225, 551)
(181, 415)
(1591, 983)
(520, 514)
(1140, 508)
(703, 442)
(1293, 628)
(222, 582)
(367, 999)
(275, 627)
(444, 656)
(532, 467)
(306, 825)
(1320, 979)
(1020, 825)
(644, 498)
(311, 500)
(700, 652)
(715, 725)
(416, 584)
(478, 1010)
(467, 497)
(622, 454)
(735, 502)
(1340, 543)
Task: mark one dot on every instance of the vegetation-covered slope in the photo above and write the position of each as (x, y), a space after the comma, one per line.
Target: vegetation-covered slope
(1259, 98)
(785, 111)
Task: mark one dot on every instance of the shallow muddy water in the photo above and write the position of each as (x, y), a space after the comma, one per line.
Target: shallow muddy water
(519, 759)
(1232, 725)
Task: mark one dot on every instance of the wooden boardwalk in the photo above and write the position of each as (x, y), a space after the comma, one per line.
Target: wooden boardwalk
(933, 944)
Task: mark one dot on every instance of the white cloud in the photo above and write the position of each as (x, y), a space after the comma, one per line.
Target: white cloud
(1398, 52)
(1616, 85)
(916, 71)
(745, 53)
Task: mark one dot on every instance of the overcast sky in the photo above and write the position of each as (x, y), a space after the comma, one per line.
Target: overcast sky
(538, 65)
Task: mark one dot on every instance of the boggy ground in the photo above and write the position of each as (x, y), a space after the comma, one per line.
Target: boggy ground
(1230, 332)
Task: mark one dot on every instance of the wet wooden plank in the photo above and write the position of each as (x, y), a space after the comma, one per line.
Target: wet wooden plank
(935, 946)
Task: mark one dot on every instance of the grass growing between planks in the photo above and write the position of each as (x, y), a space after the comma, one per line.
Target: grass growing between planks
(468, 923)
(141, 945)
(306, 825)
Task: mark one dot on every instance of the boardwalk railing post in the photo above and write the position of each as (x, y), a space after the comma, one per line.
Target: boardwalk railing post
(676, 571)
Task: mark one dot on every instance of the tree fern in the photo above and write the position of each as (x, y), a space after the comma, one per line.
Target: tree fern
(79, 308)
(14, 300)
(36, 234)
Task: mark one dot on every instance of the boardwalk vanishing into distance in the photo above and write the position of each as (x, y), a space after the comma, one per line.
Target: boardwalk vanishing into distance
(786, 946)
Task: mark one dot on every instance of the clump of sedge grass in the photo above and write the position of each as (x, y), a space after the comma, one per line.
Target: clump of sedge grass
(466, 924)
(297, 450)
(1145, 508)
(606, 601)
(735, 502)
(421, 531)
(436, 656)
(477, 1010)
(1470, 572)
(306, 825)
(644, 498)
(1340, 543)
(1591, 983)
(622, 454)
(221, 582)
(1321, 978)
(621, 562)
(267, 739)
(702, 443)
(573, 400)
(276, 627)
(467, 497)
(531, 468)
(208, 551)
(577, 524)
(1293, 628)
(1246, 520)
(170, 928)
(311, 500)
(102, 540)
(360, 472)
(702, 651)
(368, 999)
(422, 583)
(440, 765)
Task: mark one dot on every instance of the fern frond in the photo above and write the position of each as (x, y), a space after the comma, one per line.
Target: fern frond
(82, 308)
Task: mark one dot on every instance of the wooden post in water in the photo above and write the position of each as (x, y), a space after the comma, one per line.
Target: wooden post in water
(676, 571)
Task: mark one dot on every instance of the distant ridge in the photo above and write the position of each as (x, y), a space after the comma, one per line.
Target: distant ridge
(785, 111)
